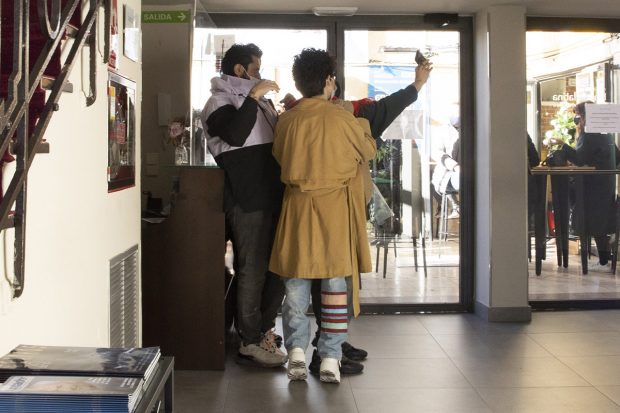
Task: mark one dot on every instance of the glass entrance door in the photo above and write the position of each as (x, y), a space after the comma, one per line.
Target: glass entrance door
(415, 214)
(570, 68)
(421, 217)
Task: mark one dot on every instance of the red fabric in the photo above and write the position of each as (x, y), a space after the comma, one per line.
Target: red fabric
(357, 104)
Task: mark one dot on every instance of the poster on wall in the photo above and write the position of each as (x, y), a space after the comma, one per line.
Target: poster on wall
(114, 41)
(131, 34)
(121, 133)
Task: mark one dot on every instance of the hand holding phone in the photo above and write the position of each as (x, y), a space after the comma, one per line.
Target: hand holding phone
(419, 57)
(422, 71)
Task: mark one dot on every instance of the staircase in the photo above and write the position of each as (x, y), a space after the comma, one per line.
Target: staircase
(32, 77)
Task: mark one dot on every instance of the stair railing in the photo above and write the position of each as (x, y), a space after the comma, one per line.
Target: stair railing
(14, 111)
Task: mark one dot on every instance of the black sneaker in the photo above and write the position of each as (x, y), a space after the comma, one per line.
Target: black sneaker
(347, 366)
(352, 353)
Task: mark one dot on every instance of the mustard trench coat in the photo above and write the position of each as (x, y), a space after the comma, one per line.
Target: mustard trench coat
(324, 152)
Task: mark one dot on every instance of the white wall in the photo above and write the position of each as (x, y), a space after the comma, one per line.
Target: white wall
(74, 226)
(501, 196)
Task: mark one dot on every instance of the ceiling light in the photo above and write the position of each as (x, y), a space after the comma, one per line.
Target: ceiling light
(334, 11)
(441, 19)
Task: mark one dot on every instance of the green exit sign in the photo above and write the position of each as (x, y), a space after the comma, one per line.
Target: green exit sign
(163, 16)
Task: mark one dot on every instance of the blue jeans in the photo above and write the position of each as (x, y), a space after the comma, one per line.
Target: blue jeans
(259, 292)
(333, 317)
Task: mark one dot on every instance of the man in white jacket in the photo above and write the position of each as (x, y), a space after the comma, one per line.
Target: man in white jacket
(239, 124)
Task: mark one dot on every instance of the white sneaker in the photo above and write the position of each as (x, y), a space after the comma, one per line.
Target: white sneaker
(330, 370)
(598, 267)
(454, 214)
(297, 364)
(265, 353)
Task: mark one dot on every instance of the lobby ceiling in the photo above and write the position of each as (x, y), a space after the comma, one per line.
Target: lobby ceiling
(576, 8)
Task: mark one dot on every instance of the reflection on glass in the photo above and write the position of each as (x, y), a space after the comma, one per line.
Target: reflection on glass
(415, 222)
(564, 69)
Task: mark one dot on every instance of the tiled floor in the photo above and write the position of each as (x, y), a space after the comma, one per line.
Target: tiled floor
(403, 284)
(559, 362)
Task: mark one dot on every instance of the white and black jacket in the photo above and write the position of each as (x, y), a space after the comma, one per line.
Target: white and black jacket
(240, 137)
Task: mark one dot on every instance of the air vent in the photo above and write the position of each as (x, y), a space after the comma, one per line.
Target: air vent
(124, 299)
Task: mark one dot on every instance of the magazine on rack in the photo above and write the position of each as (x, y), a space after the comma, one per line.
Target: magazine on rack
(79, 361)
(33, 394)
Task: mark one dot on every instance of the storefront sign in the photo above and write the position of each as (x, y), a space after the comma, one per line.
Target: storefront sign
(603, 118)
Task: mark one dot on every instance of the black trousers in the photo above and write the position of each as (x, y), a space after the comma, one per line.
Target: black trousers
(259, 292)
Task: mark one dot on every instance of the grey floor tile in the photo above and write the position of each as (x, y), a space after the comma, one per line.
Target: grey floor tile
(250, 377)
(298, 397)
(446, 323)
(566, 322)
(200, 379)
(518, 372)
(597, 370)
(494, 345)
(482, 326)
(419, 400)
(384, 325)
(199, 391)
(419, 346)
(430, 363)
(409, 373)
(610, 318)
(613, 392)
(580, 344)
(194, 401)
(548, 400)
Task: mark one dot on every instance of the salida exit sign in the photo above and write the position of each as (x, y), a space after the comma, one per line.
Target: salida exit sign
(173, 16)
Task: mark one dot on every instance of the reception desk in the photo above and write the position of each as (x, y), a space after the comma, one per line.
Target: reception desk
(183, 274)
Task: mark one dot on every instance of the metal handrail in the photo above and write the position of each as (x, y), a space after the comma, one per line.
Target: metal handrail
(23, 83)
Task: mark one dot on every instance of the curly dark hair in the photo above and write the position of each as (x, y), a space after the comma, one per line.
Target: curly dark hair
(239, 54)
(310, 69)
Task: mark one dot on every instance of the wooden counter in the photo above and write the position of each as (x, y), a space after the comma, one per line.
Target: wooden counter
(183, 274)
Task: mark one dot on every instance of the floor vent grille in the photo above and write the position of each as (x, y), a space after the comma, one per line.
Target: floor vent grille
(124, 299)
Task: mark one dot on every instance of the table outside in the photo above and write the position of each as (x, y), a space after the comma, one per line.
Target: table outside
(559, 176)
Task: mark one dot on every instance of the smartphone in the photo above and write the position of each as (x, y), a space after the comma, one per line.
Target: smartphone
(419, 57)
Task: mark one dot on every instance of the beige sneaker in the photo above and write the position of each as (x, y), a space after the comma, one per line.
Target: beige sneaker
(296, 369)
(330, 370)
(265, 353)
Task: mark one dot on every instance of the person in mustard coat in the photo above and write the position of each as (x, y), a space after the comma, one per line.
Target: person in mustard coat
(323, 151)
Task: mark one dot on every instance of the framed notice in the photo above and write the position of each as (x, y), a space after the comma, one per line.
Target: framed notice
(121, 133)
(603, 118)
(131, 34)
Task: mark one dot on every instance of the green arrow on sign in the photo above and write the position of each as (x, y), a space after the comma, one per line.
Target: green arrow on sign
(165, 16)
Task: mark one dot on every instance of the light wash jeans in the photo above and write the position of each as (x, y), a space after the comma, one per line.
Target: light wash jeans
(297, 324)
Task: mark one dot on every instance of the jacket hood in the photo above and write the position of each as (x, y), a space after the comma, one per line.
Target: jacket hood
(232, 85)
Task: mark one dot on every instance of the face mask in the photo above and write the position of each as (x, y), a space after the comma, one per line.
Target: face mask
(252, 78)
